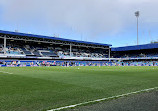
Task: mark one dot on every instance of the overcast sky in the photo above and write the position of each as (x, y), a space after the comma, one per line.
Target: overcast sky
(105, 21)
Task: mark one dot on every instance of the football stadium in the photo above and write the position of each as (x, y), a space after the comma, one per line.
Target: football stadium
(100, 62)
(49, 73)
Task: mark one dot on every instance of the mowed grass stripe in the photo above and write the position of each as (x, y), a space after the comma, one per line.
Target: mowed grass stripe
(42, 88)
(3, 72)
(28, 93)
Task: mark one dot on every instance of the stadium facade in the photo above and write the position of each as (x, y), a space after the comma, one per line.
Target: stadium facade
(22, 49)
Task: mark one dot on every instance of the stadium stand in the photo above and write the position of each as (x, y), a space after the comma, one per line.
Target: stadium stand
(23, 48)
(140, 51)
(28, 45)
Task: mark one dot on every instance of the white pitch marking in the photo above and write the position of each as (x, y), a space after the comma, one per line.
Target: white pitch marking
(103, 99)
(6, 72)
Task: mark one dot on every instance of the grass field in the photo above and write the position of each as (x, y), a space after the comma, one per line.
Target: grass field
(43, 88)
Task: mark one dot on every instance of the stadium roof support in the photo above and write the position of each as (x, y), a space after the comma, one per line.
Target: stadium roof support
(70, 50)
(5, 42)
(109, 54)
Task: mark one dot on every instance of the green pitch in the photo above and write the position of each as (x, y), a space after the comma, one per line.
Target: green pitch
(43, 88)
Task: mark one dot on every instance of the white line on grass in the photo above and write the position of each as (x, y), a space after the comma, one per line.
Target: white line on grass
(6, 72)
(103, 99)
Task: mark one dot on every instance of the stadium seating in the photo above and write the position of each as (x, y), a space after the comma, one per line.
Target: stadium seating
(60, 51)
(49, 54)
(36, 53)
(26, 52)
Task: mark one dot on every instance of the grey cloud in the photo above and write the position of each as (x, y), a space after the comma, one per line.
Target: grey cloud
(90, 16)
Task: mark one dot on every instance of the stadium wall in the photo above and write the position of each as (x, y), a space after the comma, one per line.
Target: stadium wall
(38, 63)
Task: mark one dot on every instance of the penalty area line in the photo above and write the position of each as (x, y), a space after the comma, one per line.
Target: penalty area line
(103, 99)
(6, 72)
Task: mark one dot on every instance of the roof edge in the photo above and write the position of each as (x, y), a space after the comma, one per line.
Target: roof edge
(49, 37)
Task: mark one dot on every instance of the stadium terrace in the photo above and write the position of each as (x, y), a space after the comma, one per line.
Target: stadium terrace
(20, 49)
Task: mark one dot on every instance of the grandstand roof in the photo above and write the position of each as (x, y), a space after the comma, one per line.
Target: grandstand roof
(136, 47)
(53, 38)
